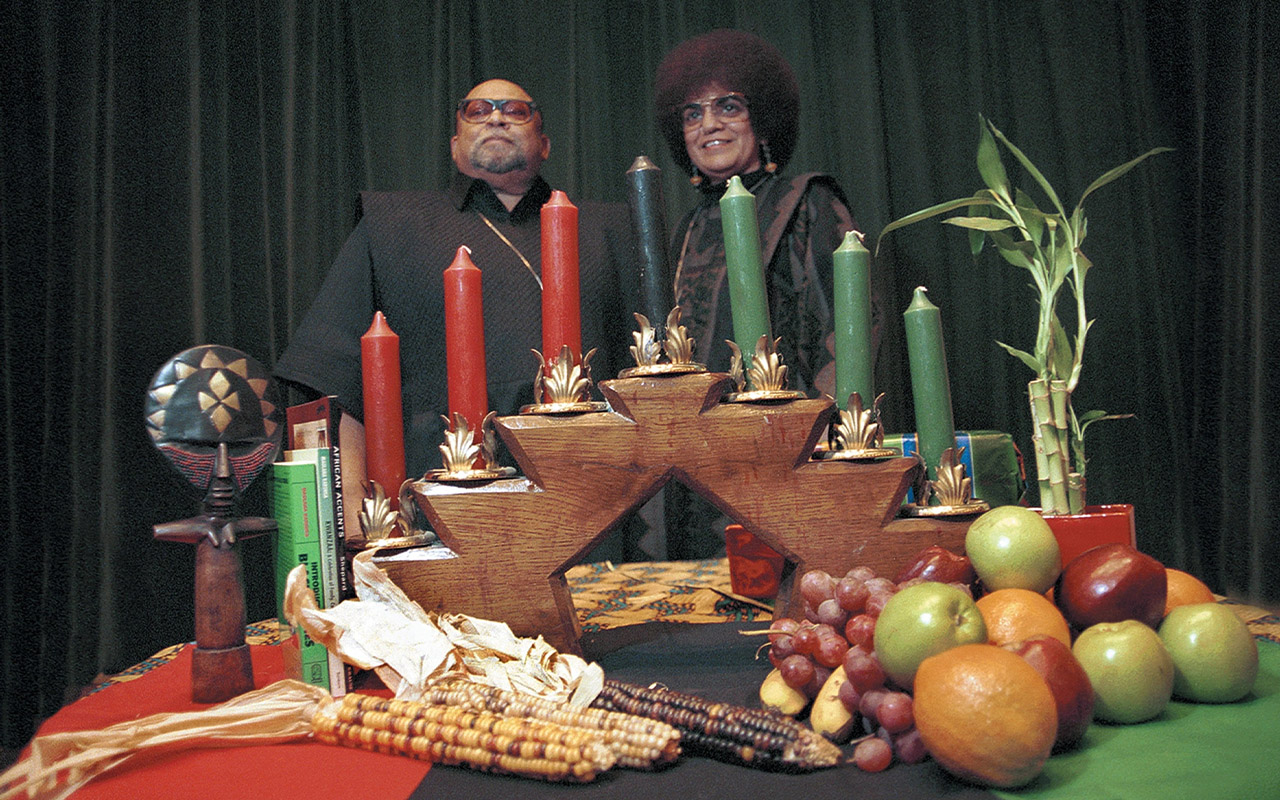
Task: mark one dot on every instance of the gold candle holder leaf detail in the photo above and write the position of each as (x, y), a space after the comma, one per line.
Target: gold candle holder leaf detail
(767, 372)
(465, 458)
(377, 518)
(856, 434)
(646, 349)
(459, 450)
(952, 488)
(765, 378)
(411, 519)
(489, 439)
(562, 386)
(735, 365)
(563, 381)
(678, 346)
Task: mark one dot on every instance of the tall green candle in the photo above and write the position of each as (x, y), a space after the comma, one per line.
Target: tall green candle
(747, 298)
(930, 387)
(852, 310)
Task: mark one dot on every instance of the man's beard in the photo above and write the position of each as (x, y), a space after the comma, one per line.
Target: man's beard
(497, 156)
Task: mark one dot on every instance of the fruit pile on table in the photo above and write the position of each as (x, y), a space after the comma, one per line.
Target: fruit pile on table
(991, 661)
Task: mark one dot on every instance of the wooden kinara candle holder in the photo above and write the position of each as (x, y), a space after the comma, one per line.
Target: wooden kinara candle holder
(515, 538)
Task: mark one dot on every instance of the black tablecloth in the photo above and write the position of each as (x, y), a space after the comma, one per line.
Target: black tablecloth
(716, 662)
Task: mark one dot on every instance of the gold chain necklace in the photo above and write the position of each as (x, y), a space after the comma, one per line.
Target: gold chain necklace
(514, 249)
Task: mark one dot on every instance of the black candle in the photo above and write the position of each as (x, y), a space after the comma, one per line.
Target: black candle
(644, 195)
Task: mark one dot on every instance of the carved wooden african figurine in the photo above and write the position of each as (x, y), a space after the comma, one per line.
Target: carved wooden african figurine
(212, 412)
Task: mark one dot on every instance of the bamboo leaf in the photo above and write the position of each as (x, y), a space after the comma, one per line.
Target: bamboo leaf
(976, 238)
(989, 165)
(1079, 364)
(1082, 264)
(1032, 217)
(1031, 169)
(1018, 253)
(1061, 354)
(1024, 357)
(1061, 263)
(927, 213)
(1090, 417)
(981, 223)
(1115, 172)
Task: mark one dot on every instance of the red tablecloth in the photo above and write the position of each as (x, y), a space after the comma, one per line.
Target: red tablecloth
(305, 770)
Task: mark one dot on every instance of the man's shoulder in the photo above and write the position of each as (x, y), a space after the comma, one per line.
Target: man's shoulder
(378, 205)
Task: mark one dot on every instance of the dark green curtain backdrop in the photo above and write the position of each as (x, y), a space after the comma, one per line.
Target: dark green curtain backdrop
(177, 173)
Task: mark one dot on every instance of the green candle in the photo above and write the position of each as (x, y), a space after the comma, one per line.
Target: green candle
(930, 387)
(852, 309)
(745, 270)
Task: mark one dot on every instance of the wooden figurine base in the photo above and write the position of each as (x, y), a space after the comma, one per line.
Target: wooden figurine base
(515, 538)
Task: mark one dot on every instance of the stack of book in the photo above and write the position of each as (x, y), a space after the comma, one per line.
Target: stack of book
(308, 508)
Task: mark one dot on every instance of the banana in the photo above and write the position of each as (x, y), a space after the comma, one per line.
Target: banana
(776, 695)
(829, 716)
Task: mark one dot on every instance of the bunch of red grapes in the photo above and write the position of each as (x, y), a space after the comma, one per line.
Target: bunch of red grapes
(839, 631)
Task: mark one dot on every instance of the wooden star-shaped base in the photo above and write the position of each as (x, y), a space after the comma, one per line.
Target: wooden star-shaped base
(515, 538)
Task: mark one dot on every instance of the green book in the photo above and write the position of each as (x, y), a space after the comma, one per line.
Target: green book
(319, 456)
(331, 558)
(296, 510)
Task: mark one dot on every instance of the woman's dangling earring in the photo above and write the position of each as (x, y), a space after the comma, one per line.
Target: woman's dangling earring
(769, 166)
(696, 177)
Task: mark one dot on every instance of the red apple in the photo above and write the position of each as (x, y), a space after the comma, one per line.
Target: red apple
(1110, 583)
(1072, 692)
(937, 563)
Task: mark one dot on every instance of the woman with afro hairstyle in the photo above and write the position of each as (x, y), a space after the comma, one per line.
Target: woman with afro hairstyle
(727, 104)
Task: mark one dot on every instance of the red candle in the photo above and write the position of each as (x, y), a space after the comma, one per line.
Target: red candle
(464, 341)
(383, 411)
(561, 324)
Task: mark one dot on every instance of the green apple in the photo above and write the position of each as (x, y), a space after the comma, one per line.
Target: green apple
(1215, 659)
(1012, 547)
(1129, 668)
(922, 620)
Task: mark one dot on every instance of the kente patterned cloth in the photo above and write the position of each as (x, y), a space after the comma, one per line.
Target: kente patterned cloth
(614, 595)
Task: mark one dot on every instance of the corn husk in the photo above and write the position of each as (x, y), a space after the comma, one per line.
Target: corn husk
(277, 713)
(383, 630)
(411, 649)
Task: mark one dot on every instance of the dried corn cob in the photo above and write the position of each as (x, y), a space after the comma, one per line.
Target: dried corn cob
(750, 736)
(638, 742)
(480, 740)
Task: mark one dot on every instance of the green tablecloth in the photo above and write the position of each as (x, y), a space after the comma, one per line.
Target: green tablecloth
(1194, 751)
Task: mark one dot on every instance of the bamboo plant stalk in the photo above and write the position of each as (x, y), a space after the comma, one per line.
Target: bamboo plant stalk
(1047, 245)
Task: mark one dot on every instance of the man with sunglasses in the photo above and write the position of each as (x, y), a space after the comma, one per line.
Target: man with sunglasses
(499, 139)
(394, 259)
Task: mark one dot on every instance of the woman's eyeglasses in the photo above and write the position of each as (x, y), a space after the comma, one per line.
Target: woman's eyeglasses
(479, 109)
(726, 108)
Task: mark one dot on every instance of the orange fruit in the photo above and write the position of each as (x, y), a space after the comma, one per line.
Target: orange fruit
(1016, 614)
(985, 715)
(1185, 589)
